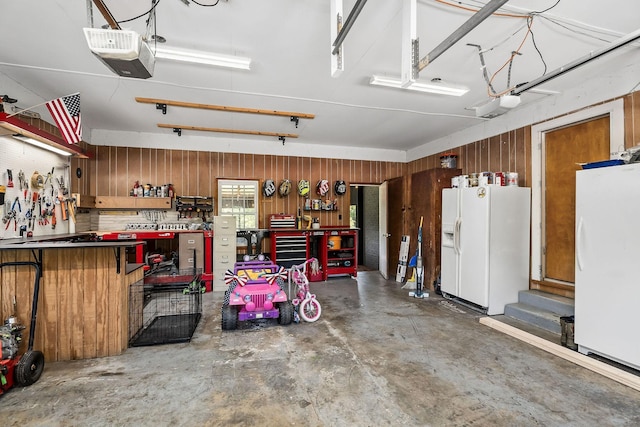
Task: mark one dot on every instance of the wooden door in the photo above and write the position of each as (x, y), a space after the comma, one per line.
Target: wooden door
(395, 222)
(383, 233)
(563, 151)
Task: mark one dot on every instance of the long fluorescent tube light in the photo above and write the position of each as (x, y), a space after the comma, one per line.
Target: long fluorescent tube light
(17, 127)
(431, 87)
(200, 57)
(39, 144)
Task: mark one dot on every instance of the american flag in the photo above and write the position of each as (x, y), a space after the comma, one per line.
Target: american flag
(66, 113)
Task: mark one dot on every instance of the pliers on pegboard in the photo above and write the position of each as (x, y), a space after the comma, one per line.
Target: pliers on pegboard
(12, 215)
(49, 177)
(16, 201)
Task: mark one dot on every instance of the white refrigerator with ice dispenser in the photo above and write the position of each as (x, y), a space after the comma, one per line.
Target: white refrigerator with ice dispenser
(485, 245)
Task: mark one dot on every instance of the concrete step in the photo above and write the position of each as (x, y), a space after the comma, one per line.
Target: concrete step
(559, 305)
(536, 316)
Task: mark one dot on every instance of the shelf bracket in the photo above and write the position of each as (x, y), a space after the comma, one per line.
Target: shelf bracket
(116, 253)
(161, 106)
(295, 119)
(281, 138)
(178, 131)
(37, 258)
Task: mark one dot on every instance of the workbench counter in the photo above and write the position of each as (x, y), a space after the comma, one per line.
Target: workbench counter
(83, 308)
(62, 244)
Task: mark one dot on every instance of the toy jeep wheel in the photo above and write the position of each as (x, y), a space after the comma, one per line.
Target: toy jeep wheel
(286, 313)
(29, 368)
(229, 317)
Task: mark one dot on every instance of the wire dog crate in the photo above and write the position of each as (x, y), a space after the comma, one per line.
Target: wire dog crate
(165, 308)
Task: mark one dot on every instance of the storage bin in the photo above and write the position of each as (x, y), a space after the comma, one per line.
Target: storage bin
(449, 161)
(334, 243)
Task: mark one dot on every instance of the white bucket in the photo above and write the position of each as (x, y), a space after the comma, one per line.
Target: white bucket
(512, 179)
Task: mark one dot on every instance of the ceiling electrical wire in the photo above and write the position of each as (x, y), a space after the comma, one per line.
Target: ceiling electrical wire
(578, 28)
(573, 30)
(529, 21)
(517, 52)
(546, 10)
(459, 5)
(153, 8)
(535, 45)
(508, 62)
(206, 5)
(508, 38)
(563, 22)
(142, 14)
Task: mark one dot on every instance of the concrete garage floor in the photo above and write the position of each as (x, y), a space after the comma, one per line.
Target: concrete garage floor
(376, 357)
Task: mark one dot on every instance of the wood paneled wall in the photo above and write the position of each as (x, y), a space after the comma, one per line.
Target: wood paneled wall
(511, 151)
(507, 152)
(114, 170)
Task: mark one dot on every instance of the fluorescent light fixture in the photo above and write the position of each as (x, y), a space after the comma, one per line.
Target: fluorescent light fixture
(34, 135)
(40, 144)
(200, 57)
(436, 87)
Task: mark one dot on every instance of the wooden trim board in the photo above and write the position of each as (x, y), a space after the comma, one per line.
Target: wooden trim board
(224, 108)
(601, 368)
(240, 131)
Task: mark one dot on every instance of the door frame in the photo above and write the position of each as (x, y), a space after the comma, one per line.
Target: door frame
(361, 249)
(615, 111)
(383, 232)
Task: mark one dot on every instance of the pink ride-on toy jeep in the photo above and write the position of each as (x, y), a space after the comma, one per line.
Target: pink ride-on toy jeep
(255, 292)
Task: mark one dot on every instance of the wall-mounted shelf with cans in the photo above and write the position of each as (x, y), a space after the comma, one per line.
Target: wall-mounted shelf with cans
(118, 202)
(194, 206)
(320, 205)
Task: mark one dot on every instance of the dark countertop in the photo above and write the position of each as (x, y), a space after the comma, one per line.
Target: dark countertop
(61, 241)
(316, 229)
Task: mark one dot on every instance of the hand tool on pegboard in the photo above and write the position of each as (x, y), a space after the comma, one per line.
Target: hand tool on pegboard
(71, 206)
(49, 178)
(24, 184)
(62, 187)
(9, 178)
(32, 219)
(13, 214)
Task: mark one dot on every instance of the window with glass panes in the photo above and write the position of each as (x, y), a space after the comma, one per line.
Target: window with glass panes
(239, 198)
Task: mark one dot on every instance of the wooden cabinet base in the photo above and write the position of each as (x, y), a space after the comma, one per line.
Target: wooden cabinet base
(83, 309)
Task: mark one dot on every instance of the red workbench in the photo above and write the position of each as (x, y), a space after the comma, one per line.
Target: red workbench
(147, 235)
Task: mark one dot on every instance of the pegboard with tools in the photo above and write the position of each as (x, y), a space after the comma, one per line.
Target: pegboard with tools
(34, 191)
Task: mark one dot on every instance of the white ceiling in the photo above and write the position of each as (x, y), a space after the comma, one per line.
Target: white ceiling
(44, 52)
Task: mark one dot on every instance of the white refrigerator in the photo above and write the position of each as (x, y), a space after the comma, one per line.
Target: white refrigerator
(607, 286)
(485, 244)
